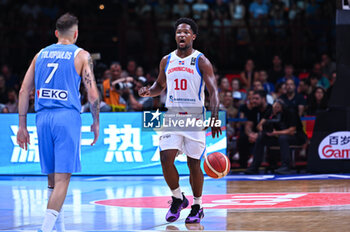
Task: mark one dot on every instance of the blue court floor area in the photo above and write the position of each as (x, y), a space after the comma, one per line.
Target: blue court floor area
(23, 202)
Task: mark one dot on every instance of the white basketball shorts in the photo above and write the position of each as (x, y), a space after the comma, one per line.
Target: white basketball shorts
(191, 143)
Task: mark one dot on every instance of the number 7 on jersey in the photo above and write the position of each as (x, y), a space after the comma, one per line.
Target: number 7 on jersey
(54, 66)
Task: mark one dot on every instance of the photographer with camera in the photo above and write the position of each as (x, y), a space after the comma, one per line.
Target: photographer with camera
(111, 92)
(282, 128)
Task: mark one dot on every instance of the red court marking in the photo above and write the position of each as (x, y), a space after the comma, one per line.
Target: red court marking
(242, 201)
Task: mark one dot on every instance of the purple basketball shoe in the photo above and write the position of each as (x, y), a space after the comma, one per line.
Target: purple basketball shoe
(176, 206)
(196, 214)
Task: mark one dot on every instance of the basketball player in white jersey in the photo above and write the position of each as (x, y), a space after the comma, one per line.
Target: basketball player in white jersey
(184, 73)
(55, 73)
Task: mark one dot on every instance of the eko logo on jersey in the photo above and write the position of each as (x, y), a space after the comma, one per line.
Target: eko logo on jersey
(55, 94)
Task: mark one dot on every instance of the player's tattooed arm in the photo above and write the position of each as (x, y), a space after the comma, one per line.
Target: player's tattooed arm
(88, 74)
(95, 109)
(91, 87)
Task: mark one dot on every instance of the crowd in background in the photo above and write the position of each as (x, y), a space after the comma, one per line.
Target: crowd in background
(285, 47)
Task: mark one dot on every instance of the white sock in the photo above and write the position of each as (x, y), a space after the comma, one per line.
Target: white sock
(197, 201)
(177, 193)
(49, 220)
(59, 225)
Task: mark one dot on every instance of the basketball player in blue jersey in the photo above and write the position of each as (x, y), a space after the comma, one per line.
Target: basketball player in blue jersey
(55, 73)
(182, 73)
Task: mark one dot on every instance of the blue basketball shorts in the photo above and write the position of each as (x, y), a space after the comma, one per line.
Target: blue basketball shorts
(59, 134)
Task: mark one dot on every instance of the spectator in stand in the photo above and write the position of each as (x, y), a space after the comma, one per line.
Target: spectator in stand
(304, 88)
(198, 8)
(331, 81)
(249, 135)
(245, 108)
(268, 86)
(278, 21)
(162, 11)
(222, 23)
(139, 72)
(289, 74)
(3, 108)
(313, 80)
(249, 75)
(258, 85)
(3, 92)
(258, 9)
(130, 69)
(220, 8)
(280, 90)
(231, 112)
(237, 12)
(282, 127)
(227, 105)
(12, 104)
(277, 69)
(317, 101)
(111, 92)
(11, 79)
(224, 84)
(181, 9)
(292, 99)
(236, 86)
(293, 12)
(107, 75)
(322, 80)
(327, 66)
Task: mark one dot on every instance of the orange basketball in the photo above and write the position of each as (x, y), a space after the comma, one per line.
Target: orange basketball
(217, 165)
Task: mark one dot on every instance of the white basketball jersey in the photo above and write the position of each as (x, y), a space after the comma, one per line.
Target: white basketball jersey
(185, 85)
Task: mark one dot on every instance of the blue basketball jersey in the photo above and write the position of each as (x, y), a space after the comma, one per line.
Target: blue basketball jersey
(56, 79)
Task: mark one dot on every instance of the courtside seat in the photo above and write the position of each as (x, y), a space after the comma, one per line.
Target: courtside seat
(297, 163)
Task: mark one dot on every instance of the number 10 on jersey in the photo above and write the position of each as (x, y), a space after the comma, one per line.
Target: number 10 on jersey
(182, 84)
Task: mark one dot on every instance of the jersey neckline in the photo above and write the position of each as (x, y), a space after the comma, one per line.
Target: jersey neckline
(194, 51)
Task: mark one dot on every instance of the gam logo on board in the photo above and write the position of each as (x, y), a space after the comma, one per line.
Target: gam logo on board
(335, 146)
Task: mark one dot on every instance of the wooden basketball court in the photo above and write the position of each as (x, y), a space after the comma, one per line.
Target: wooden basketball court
(234, 203)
